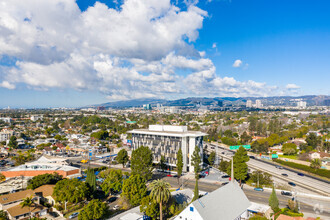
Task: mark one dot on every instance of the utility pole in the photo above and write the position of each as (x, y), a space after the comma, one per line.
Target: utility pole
(232, 170)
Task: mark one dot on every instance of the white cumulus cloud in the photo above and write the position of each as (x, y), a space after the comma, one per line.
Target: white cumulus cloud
(237, 63)
(133, 51)
(292, 86)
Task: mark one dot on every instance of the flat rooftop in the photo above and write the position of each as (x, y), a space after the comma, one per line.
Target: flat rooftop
(37, 167)
(168, 130)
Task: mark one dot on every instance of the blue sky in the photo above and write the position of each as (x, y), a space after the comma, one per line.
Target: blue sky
(111, 51)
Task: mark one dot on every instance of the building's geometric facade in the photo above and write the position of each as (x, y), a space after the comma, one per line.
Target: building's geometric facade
(166, 140)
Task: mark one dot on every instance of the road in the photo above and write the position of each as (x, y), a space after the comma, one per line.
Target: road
(306, 204)
(304, 181)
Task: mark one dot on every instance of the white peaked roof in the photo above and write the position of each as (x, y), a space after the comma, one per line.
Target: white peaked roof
(45, 160)
(226, 203)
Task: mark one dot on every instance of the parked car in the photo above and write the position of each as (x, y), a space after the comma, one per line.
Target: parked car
(169, 175)
(259, 189)
(301, 174)
(286, 193)
(291, 183)
(284, 174)
(74, 215)
(112, 199)
(252, 157)
(116, 207)
(225, 176)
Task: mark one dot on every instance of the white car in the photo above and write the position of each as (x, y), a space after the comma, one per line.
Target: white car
(116, 207)
(74, 215)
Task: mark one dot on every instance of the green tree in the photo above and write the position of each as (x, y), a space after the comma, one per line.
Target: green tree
(245, 138)
(43, 179)
(141, 162)
(113, 181)
(240, 166)
(316, 164)
(195, 161)
(223, 166)
(94, 210)
(70, 190)
(160, 193)
(313, 140)
(273, 201)
(289, 148)
(122, 157)
(3, 215)
(264, 179)
(179, 163)
(211, 158)
(134, 189)
(27, 202)
(13, 142)
(91, 179)
(149, 207)
(162, 162)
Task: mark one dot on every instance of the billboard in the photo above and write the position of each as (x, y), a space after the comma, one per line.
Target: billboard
(129, 142)
(238, 146)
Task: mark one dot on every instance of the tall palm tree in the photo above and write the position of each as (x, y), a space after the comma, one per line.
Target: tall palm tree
(160, 193)
(27, 202)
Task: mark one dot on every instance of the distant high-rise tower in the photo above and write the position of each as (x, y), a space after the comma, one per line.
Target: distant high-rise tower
(258, 103)
(301, 104)
(249, 104)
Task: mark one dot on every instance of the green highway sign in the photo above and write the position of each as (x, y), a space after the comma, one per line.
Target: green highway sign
(237, 146)
(274, 156)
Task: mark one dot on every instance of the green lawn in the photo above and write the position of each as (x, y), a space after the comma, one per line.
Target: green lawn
(295, 157)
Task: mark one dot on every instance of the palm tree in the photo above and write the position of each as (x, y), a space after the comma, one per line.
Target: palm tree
(27, 202)
(160, 193)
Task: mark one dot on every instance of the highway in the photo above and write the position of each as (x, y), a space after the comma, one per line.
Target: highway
(310, 183)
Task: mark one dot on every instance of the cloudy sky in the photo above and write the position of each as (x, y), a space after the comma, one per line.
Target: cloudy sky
(73, 53)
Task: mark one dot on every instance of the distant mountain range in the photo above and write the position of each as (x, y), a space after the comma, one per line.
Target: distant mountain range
(311, 100)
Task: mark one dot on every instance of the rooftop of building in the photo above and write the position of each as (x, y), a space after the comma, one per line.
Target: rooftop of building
(168, 130)
(228, 201)
(46, 166)
(18, 210)
(46, 190)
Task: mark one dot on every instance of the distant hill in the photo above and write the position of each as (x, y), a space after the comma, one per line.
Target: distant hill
(193, 101)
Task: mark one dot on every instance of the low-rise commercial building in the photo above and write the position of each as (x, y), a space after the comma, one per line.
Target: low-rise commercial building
(167, 140)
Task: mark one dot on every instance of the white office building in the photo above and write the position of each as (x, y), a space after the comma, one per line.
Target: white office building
(258, 103)
(167, 140)
(301, 104)
(6, 134)
(249, 104)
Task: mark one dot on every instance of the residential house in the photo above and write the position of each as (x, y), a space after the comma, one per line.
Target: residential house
(318, 155)
(40, 196)
(226, 203)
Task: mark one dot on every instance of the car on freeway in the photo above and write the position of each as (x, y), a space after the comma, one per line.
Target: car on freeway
(259, 189)
(252, 157)
(279, 167)
(284, 174)
(74, 215)
(300, 174)
(291, 183)
(286, 193)
(116, 207)
(112, 199)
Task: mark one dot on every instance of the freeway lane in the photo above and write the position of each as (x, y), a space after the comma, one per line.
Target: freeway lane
(271, 169)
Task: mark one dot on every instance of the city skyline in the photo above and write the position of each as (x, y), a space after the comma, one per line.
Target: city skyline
(76, 53)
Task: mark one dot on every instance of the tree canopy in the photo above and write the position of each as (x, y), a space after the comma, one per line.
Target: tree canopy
(211, 158)
(13, 142)
(43, 179)
(195, 161)
(95, 209)
(113, 181)
(122, 157)
(160, 193)
(141, 162)
(134, 189)
(240, 166)
(179, 162)
(91, 179)
(70, 190)
(273, 201)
